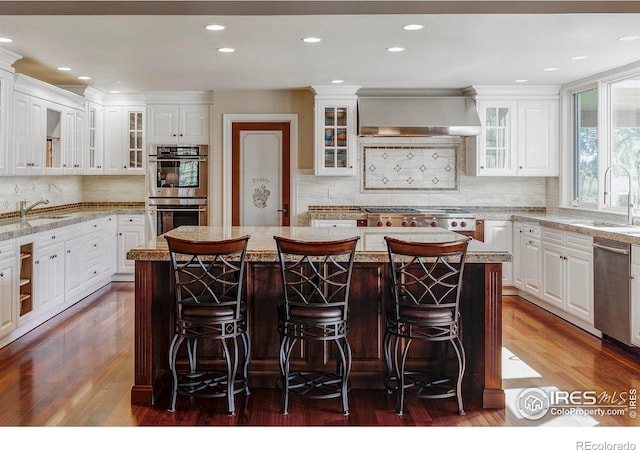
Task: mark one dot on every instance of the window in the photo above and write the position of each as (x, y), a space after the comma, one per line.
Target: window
(586, 147)
(605, 132)
(625, 139)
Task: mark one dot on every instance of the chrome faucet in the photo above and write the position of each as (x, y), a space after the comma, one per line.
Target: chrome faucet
(24, 209)
(629, 204)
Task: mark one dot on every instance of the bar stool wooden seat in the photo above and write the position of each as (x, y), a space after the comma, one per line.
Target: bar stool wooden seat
(208, 284)
(316, 278)
(426, 279)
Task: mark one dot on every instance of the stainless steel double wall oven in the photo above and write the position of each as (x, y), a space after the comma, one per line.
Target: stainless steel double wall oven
(177, 186)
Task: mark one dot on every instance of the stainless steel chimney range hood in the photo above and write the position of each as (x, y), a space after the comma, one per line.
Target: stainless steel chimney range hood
(394, 115)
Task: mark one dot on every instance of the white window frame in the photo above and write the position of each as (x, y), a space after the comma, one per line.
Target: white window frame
(602, 82)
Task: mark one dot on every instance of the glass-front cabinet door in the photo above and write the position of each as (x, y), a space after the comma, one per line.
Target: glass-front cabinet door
(335, 137)
(135, 139)
(497, 141)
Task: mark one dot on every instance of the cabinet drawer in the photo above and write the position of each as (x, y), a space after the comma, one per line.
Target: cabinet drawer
(93, 226)
(552, 236)
(333, 223)
(137, 219)
(7, 249)
(93, 273)
(50, 237)
(579, 242)
(532, 230)
(94, 247)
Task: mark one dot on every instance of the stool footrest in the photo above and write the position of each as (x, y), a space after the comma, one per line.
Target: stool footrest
(208, 384)
(424, 385)
(314, 384)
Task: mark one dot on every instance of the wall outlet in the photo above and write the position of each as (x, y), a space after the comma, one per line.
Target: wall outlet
(331, 192)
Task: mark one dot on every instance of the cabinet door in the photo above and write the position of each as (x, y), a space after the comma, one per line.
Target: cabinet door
(74, 268)
(111, 246)
(496, 143)
(163, 124)
(6, 99)
(635, 295)
(498, 233)
(94, 148)
(113, 140)
(128, 238)
(8, 296)
(553, 274)
(193, 124)
(518, 255)
(79, 142)
(532, 265)
(29, 134)
(134, 141)
(537, 137)
(335, 137)
(579, 284)
(49, 277)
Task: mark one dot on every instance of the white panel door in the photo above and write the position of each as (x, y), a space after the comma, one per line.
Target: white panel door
(260, 153)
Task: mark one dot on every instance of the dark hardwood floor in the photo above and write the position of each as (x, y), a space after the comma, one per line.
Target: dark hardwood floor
(77, 370)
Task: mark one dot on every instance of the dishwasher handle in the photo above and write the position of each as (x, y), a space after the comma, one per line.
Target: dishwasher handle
(620, 251)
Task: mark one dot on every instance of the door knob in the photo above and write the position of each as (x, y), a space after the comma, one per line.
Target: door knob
(284, 210)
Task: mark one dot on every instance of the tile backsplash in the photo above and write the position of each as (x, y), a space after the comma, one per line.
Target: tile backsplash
(63, 190)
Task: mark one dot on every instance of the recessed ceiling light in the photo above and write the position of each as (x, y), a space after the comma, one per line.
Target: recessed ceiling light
(5, 40)
(337, 81)
(64, 69)
(628, 38)
(114, 92)
(215, 27)
(82, 77)
(579, 57)
(226, 50)
(311, 39)
(521, 81)
(395, 49)
(550, 69)
(413, 27)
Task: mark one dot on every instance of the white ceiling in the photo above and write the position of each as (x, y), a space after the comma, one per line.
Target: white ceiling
(136, 53)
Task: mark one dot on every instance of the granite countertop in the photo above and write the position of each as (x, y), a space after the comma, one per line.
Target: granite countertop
(16, 227)
(621, 232)
(370, 248)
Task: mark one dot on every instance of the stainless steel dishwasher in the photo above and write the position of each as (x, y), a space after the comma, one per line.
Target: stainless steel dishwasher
(612, 289)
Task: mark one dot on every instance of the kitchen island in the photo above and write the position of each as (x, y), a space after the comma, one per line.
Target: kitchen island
(480, 308)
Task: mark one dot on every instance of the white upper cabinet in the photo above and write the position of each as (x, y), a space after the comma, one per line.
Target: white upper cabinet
(48, 125)
(124, 140)
(335, 130)
(178, 117)
(519, 132)
(178, 124)
(7, 59)
(94, 155)
(29, 134)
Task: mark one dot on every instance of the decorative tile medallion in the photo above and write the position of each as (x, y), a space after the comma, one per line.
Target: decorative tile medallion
(414, 167)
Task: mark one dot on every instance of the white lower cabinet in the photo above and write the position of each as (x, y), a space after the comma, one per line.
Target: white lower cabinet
(44, 273)
(131, 233)
(567, 263)
(527, 257)
(499, 234)
(49, 275)
(74, 263)
(8, 287)
(635, 295)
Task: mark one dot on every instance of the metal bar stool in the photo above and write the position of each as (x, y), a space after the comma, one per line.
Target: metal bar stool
(426, 279)
(316, 278)
(209, 280)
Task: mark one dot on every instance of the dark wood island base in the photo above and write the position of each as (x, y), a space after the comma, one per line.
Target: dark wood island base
(480, 306)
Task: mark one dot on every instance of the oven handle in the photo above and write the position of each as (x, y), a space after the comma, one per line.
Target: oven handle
(152, 209)
(154, 159)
